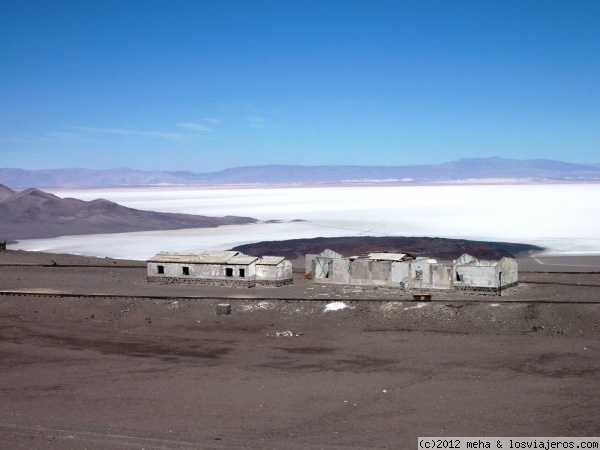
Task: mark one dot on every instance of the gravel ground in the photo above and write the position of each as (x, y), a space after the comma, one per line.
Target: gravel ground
(327, 372)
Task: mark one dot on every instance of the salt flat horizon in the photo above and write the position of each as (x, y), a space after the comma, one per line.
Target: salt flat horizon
(564, 218)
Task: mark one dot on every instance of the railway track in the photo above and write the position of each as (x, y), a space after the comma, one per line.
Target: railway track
(474, 299)
(489, 299)
(63, 266)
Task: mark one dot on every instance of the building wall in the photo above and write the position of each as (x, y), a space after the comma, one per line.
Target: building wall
(309, 262)
(441, 276)
(341, 271)
(269, 275)
(420, 272)
(510, 271)
(322, 267)
(338, 271)
(320, 264)
(360, 272)
(476, 276)
(230, 282)
(381, 272)
(201, 273)
(364, 272)
(400, 274)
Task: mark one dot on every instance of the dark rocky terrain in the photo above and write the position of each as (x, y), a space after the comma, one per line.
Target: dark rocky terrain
(440, 248)
(32, 213)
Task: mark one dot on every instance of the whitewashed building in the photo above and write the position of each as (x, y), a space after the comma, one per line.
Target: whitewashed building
(273, 271)
(224, 268)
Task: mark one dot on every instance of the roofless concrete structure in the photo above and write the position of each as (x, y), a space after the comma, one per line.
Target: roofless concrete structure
(408, 272)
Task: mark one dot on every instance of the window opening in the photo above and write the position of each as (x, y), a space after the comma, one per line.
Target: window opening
(228, 272)
(242, 273)
(160, 269)
(186, 270)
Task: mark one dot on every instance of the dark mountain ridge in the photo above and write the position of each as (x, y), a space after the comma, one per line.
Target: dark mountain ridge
(32, 213)
(536, 170)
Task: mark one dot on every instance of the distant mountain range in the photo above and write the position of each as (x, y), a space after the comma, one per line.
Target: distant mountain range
(463, 170)
(32, 213)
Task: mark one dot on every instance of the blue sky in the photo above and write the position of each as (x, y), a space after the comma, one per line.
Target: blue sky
(202, 86)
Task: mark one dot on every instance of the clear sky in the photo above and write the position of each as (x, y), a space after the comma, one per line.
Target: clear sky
(206, 85)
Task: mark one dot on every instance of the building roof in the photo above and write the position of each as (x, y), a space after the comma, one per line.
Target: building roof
(384, 256)
(242, 259)
(215, 257)
(174, 257)
(270, 260)
(328, 253)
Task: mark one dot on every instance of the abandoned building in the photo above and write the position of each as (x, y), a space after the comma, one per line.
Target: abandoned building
(408, 272)
(471, 273)
(224, 268)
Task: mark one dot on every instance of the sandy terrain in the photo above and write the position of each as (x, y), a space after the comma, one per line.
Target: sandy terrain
(118, 372)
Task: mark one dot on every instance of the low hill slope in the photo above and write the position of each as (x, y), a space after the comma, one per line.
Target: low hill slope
(32, 213)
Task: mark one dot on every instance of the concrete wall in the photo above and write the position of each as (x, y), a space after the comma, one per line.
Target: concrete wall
(510, 271)
(476, 276)
(441, 276)
(269, 272)
(322, 267)
(400, 275)
(309, 262)
(381, 273)
(340, 271)
(420, 272)
(360, 272)
(364, 272)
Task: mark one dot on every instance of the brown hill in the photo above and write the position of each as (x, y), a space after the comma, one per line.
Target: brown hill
(5, 192)
(32, 213)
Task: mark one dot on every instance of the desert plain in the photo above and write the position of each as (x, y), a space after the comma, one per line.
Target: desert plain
(93, 357)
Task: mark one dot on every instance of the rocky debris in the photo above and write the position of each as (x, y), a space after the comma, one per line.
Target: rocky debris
(336, 306)
(285, 333)
(223, 309)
